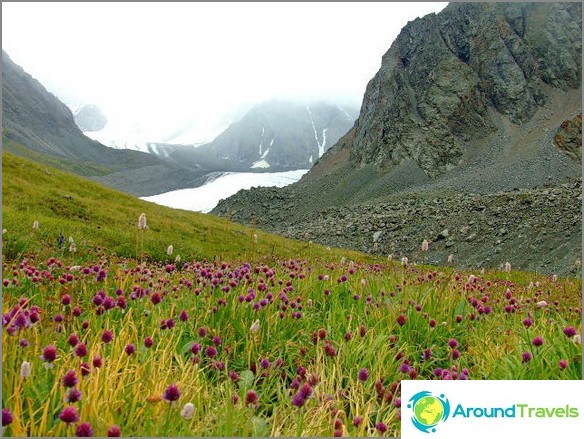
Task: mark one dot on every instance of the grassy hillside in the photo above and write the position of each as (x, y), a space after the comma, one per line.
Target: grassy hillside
(278, 338)
(94, 215)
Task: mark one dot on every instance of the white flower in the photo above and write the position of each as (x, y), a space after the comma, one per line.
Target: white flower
(541, 303)
(577, 339)
(72, 248)
(255, 327)
(25, 370)
(255, 238)
(390, 257)
(71, 240)
(188, 410)
(425, 245)
(4, 231)
(363, 282)
(555, 278)
(450, 258)
(177, 259)
(35, 225)
(326, 277)
(328, 249)
(404, 261)
(169, 250)
(343, 260)
(142, 222)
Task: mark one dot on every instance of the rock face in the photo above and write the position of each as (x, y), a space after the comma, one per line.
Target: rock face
(283, 135)
(479, 102)
(90, 118)
(438, 80)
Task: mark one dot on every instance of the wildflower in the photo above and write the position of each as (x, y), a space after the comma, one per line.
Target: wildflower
(188, 410)
(70, 379)
(570, 331)
(130, 349)
(404, 261)
(73, 395)
(72, 248)
(425, 245)
(107, 336)
(555, 278)
(49, 354)
(453, 343)
(171, 393)
(23, 343)
(251, 397)
(84, 430)
(525, 357)
(577, 339)
(4, 231)
(25, 370)
(401, 320)
(537, 341)
(114, 431)
(255, 327)
(142, 222)
(69, 414)
(183, 316)
(298, 400)
(97, 361)
(85, 368)
(390, 257)
(450, 259)
(148, 342)
(507, 268)
(527, 322)
(81, 350)
(363, 375)
(210, 352)
(563, 364)
(177, 259)
(455, 354)
(217, 341)
(196, 348)
(265, 363)
(381, 427)
(255, 238)
(6, 417)
(35, 225)
(169, 250)
(357, 421)
(541, 304)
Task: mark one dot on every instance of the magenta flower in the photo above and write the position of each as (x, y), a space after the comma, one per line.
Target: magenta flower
(210, 352)
(84, 430)
(114, 431)
(357, 421)
(69, 414)
(73, 340)
(251, 397)
(381, 427)
(148, 342)
(130, 349)
(171, 393)
(196, 348)
(563, 364)
(85, 369)
(570, 331)
(97, 361)
(81, 350)
(49, 354)
(7, 417)
(264, 363)
(107, 336)
(70, 379)
(537, 341)
(525, 357)
(65, 299)
(183, 316)
(401, 320)
(453, 343)
(363, 375)
(73, 395)
(527, 322)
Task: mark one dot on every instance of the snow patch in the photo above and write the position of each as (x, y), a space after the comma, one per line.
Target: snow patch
(261, 164)
(319, 145)
(346, 114)
(206, 197)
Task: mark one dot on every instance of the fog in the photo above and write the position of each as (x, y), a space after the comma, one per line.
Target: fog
(155, 68)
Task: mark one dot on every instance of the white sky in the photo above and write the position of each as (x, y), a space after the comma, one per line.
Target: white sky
(166, 63)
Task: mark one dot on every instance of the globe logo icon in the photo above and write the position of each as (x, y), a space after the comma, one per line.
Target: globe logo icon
(428, 411)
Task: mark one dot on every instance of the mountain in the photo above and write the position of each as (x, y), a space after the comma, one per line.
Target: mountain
(283, 135)
(481, 101)
(37, 125)
(89, 117)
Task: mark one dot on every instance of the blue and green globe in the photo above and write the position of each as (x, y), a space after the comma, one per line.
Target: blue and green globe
(429, 411)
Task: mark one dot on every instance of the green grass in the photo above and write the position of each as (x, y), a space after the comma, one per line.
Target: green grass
(370, 313)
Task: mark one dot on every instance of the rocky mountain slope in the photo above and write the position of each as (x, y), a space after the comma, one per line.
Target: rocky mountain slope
(480, 101)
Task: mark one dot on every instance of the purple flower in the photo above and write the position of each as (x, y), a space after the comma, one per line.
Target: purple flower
(130, 349)
(49, 354)
(73, 340)
(527, 322)
(148, 342)
(23, 343)
(264, 363)
(251, 397)
(171, 393)
(405, 368)
(217, 341)
(84, 430)
(73, 395)
(570, 331)
(298, 400)
(85, 369)
(455, 354)
(563, 364)
(210, 352)
(202, 332)
(234, 376)
(114, 431)
(183, 316)
(357, 420)
(81, 350)
(97, 361)
(6, 417)
(70, 379)
(381, 427)
(107, 336)
(525, 357)
(69, 414)
(401, 320)
(537, 341)
(453, 343)
(305, 390)
(363, 375)
(196, 348)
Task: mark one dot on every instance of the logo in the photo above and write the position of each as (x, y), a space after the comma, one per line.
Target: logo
(428, 411)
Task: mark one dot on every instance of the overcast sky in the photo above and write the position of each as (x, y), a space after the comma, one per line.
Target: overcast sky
(166, 63)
